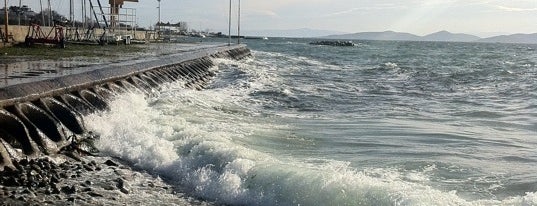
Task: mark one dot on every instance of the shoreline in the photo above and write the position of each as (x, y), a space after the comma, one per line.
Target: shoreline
(91, 180)
(74, 176)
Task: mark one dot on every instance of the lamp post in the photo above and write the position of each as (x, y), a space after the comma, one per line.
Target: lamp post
(229, 25)
(239, 24)
(158, 23)
(6, 19)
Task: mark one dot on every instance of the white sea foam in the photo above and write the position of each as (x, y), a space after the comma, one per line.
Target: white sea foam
(204, 156)
(214, 144)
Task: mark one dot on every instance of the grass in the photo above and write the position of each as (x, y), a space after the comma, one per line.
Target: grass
(71, 50)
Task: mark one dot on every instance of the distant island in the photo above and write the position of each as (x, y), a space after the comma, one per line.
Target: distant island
(441, 36)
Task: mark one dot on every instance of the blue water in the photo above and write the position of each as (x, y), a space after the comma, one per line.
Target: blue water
(381, 123)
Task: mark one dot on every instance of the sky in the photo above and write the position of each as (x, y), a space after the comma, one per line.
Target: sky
(479, 17)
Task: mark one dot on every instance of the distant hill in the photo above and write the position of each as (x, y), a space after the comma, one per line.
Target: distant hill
(443, 36)
(387, 35)
(514, 38)
(296, 33)
(400, 36)
(450, 37)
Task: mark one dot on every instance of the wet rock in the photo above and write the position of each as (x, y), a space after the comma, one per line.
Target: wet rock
(63, 175)
(108, 187)
(23, 162)
(111, 163)
(54, 179)
(88, 168)
(11, 182)
(88, 182)
(94, 194)
(124, 190)
(55, 189)
(69, 189)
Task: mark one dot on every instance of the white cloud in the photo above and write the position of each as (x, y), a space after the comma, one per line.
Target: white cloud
(515, 9)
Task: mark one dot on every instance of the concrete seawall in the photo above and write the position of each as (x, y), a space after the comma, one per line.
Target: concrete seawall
(42, 117)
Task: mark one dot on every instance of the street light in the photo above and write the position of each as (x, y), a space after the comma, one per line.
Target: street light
(158, 23)
(6, 19)
(229, 25)
(239, 24)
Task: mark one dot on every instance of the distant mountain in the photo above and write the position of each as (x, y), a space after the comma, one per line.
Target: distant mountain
(514, 38)
(387, 35)
(296, 33)
(450, 37)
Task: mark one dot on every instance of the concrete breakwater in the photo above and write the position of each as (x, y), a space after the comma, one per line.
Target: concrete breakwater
(42, 117)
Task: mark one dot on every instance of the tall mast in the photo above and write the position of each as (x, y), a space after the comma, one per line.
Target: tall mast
(71, 13)
(6, 20)
(49, 14)
(229, 25)
(42, 14)
(239, 24)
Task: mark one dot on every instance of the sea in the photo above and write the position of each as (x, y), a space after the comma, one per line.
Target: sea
(379, 123)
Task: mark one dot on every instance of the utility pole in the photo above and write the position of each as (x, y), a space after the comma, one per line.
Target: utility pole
(6, 20)
(84, 13)
(229, 25)
(158, 23)
(20, 11)
(239, 24)
(49, 14)
(42, 14)
(72, 13)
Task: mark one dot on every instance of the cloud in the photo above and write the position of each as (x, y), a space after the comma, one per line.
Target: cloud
(367, 8)
(515, 9)
(262, 13)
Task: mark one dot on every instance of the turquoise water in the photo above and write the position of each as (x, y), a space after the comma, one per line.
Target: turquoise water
(381, 123)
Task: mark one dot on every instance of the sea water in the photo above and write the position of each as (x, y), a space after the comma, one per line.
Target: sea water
(380, 123)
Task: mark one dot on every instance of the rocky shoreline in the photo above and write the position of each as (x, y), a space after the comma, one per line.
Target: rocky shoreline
(70, 179)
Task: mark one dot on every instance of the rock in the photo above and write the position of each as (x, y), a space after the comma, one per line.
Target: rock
(63, 175)
(9, 171)
(94, 194)
(87, 189)
(55, 190)
(23, 162)
(43, 183)
(111, 163)
(71, 199)
(54, 179)
(88, 182)
(69, 190)
(11, 182)
(88, 168)
(120, 183)
(108, 187)
(124, 190)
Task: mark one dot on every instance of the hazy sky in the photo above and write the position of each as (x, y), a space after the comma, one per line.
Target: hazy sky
(482, 17)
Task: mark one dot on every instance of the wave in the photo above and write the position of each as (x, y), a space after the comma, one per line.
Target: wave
(221, 157)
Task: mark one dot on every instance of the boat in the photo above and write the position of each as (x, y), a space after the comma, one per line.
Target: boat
(333, 43)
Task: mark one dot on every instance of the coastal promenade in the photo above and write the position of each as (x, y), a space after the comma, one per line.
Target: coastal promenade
(46, 153)
(41, 108)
